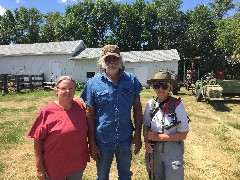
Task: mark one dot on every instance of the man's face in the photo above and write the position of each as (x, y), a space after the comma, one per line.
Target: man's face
(112, 64)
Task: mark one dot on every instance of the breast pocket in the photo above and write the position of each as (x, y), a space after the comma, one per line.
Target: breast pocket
(103, 97)
(128, 95)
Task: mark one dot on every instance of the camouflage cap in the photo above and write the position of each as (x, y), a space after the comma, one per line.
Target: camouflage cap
(110, 50)
(160, 76)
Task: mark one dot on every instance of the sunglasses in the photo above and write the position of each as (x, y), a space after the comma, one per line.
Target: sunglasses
(164, 85)
(111, 58)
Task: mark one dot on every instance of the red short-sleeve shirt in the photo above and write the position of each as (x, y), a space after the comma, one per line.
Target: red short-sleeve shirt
(64, 133)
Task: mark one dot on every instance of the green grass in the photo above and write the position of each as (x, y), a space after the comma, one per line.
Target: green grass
(11, 132)
(211, 148)
(28, 109)
(234, 125)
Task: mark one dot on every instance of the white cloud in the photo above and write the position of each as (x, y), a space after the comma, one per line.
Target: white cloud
(66, 1)
(2, 10)
(19, 1)
(62, 1)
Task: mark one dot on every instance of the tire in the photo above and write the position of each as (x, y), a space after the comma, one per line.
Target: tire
(199, 95)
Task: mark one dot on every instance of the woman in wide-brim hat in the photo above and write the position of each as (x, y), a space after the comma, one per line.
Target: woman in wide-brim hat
(165, 127)
(161, 76)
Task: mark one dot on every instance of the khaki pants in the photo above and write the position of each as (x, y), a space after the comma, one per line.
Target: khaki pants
(168, 160)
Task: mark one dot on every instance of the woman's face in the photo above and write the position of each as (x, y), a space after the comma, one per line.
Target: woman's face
(65, 90)
(161, 89)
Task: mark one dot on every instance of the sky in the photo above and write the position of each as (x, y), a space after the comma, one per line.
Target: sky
(46, 6)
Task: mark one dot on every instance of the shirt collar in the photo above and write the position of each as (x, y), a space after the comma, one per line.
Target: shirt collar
(104, 75)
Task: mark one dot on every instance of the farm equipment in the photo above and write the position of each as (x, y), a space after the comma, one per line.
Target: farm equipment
(209, 88)
(191, 79)
(191, 75)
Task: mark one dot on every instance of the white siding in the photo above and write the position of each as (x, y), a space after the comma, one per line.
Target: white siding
(77, 68)
(33, 65)
(153, 67)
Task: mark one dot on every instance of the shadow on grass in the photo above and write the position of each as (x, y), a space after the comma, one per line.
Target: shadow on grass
(221, 105)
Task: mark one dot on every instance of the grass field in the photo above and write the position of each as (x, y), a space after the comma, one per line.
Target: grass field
(211, 149)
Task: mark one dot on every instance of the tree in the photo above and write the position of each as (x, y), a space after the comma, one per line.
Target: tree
(53, 28)
(221, 7)
(201, 35)
(78, 22)
(150, 33)
(27, 25)
(130, 26)
(7, 25)
(168, 18)
(228, 35)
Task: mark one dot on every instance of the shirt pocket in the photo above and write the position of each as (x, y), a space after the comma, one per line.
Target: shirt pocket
(128, 95)
(103, 97)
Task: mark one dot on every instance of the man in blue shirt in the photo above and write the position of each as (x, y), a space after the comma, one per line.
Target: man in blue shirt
(109, 97)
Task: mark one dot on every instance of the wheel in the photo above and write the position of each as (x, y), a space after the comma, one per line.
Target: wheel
(199, 95)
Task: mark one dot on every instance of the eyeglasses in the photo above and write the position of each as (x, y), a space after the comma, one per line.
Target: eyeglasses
(111, 58)
(66, 89)
(164, 85)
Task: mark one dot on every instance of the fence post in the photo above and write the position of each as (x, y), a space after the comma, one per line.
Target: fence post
(31, 82)
(17, 80)
(5, 83)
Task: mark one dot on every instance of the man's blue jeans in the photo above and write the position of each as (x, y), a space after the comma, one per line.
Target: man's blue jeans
(123, 156)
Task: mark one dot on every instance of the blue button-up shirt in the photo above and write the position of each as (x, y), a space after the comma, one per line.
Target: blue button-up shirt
(112, 104)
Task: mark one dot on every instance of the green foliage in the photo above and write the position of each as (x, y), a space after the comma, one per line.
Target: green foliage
(10, 132)
(27, 27)
(2, 166)
(53, 29)
(234, 125)
(28, 109)
(31, 96)
(80, 86)
(228, 35)
(221, 7)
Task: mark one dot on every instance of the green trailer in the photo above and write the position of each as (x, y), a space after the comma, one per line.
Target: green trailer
(209, 88)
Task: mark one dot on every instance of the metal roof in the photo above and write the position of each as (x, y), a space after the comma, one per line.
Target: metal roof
(134, 56)
(64, 47)
(78, 50)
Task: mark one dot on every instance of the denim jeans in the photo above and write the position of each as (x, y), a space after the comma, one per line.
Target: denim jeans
(123, 156)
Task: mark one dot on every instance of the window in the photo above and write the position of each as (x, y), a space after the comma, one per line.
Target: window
(90, 74)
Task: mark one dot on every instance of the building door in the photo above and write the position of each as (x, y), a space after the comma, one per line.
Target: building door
(55, 70)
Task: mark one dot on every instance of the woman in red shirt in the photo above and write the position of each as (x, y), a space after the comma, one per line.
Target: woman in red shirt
(60, 135)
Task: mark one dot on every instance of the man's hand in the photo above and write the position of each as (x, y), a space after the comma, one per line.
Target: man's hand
(138, 144)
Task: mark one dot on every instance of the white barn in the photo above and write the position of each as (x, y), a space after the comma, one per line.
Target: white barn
(75, 59)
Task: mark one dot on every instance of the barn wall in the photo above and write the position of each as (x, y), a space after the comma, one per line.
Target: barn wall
(76, 68)
(79, 68)
(153, 67)
(31, 64)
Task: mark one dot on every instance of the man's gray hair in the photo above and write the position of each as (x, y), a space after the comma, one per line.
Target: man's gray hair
(102, 66)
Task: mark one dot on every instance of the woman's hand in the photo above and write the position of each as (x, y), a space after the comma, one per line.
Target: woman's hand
(148, 147)
(94, 152)
(42, 173)
(153, 136)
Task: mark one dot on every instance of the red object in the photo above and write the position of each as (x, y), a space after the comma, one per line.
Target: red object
(64, 133)
(219, 75)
